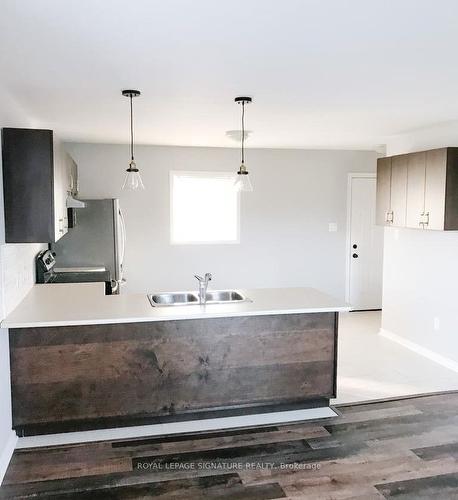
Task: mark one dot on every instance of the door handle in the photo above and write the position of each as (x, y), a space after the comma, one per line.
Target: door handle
(355, 255)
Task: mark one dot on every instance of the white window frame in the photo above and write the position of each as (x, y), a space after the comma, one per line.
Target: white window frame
(202, 173)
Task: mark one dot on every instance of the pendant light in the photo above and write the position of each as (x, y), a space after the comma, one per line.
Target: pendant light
(133, 180)
(243, 182)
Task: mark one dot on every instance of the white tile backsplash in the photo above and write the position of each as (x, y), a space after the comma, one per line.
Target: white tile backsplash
(17, 273)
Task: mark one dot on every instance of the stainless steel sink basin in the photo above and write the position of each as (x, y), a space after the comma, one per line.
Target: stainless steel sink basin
(224, 296)
(173, 299)
(192, 298)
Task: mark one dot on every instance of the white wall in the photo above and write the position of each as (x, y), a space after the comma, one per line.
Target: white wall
(284, 222)
(17, 274)
(420, 284)
(421, 267)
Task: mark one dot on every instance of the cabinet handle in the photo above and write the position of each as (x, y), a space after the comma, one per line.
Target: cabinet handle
(427, 219)
(424, 221)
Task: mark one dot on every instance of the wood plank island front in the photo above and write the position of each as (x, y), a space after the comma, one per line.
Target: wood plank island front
(111, 374)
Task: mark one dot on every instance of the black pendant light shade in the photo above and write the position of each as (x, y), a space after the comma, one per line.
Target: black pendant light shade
(133, 178)
(243, 182)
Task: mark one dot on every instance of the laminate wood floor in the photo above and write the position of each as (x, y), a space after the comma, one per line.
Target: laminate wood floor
(405, 449)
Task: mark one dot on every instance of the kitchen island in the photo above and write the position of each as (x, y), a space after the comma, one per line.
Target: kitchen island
(82, 360)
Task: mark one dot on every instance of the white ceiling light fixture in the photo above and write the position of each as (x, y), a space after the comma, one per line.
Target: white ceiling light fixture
(132, 180)
(243, 182)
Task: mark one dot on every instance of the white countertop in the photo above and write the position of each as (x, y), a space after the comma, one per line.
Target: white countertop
(66, 304)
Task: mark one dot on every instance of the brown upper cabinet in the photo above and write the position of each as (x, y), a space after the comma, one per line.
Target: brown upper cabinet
(437, 204)
(398, 190)
(383, 208)
(391, 191)
(419, 190)
(37, 177)
(416, 170)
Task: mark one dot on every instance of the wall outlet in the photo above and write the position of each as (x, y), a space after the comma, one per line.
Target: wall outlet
(437, 324)
(332, 227)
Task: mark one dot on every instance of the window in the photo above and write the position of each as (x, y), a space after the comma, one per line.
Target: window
(204, 208)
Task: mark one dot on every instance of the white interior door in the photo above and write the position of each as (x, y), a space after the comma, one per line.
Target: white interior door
(365, 246)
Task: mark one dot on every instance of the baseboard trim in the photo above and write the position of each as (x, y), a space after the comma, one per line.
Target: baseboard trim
(423, 351)
(188, 427)
(7, 453)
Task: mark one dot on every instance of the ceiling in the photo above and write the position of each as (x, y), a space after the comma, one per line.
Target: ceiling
(323, 73)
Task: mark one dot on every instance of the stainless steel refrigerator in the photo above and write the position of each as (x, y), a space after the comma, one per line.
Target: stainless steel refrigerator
(98, 239)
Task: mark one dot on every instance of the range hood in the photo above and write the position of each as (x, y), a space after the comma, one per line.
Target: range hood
(74, 203)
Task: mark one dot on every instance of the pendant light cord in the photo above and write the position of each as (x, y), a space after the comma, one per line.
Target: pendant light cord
(131, 129)
(243, 132)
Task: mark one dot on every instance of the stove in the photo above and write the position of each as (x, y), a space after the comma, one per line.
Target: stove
(48, 273)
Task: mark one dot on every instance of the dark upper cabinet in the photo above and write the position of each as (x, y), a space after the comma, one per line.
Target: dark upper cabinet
(35, 186)
(424, 186)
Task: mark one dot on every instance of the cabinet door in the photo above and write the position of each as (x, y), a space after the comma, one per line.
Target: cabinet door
(399, 190)
(64, 194)
(383, 205)
(436, 174)
(71, 175)
(28, 185)
(60, 191)
(416, 172)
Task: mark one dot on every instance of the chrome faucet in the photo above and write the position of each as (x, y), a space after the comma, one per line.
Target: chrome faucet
(203, 285)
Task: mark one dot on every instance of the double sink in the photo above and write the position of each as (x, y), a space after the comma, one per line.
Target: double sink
(192, 298)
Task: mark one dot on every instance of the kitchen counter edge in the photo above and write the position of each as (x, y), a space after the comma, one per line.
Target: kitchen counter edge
(85, 304)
